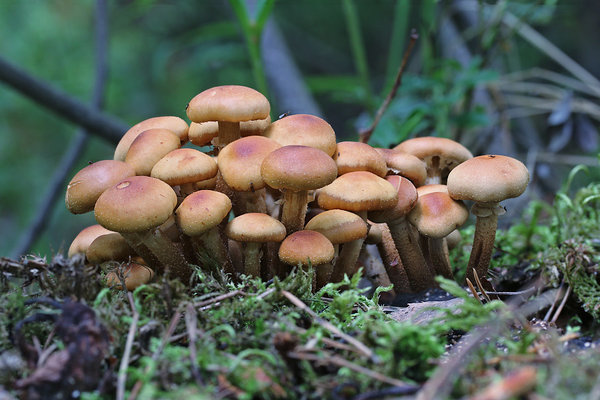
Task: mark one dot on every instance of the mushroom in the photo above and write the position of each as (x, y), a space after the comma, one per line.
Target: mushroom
(339, 226)
(228, 105)
(304, 248)
(253, 230)
(405, 239)
(404, 164)
(109, 247)
(82, 241)
(391, 259)
(303, 130)
(295, 170)
(359, 192)
(435, 216)
(356, 156)
(486, 180)
(440, 154)
(149, 147)
(199, 216)
(136, 208)
(183, 168)
(89, 183)
(136, 274)
(175, 124)
(240, 165)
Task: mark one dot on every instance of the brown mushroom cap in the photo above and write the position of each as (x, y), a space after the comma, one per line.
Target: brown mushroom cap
(404, 164)
(149, 147)
(298, 168)
(257, 127)
(89, 183)
(435, 187)
(201, 133)
(358, 191)
(407, 199)
(339, 226)
(302, 246)
(488, 179)
(240, 162)
(356, 156)
(182, 166)
(202, 211)
(255, 227)
(109, 247)
(136, 275)
(175, 124)
(451, 153)
(136, 204)
(84, 238)
(303, 130)
(436, 214)
(230, 103)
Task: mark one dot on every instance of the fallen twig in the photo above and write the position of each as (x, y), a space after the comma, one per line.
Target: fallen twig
(329, 326)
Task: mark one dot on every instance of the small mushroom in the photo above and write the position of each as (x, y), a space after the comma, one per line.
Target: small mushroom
(303, 130)
(304, 248)
(82, 241)
(149, 147)
(486, 180)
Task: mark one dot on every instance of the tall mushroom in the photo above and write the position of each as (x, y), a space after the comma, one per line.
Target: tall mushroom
(228, 105)
(295, 170)
(486, 180)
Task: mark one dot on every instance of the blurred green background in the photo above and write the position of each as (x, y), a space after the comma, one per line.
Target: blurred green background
(496, 75)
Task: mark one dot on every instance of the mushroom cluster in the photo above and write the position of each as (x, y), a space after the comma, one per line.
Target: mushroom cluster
(267, 197)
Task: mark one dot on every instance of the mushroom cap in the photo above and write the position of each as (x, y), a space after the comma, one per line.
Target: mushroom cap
(135, 204)
(437, 214)
(407, 198)
(149, 147)
(201, 133)
(230, 103)
(304, 130)
(435, 187)
(357, 156)
(255, 227)
(298, 168)
(339, 226)
(175, 124)
(182, 166)
(202, 211)
(302, 246)
(358, 191)
(427, 148)
(488, 179)
(404, 164)
(136, 275)
(210, 184)
(241, 160)
(109, 247)
(255, 127)
(84, 238)
(89, 183)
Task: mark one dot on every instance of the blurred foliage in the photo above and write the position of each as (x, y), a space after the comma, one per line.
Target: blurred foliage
(161, 53)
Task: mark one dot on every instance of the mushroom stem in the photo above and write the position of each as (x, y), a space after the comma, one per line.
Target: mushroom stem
(228, 132)
(211, 243)
(392, 262)
(410, 253)
(374, 269)
(163, 249)
(252, 256)
(483, 241)
(249, 202)
(294, 210)
(322, 275)
(434, 172)
(438, 253)
(186, 189)
(348, 256)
